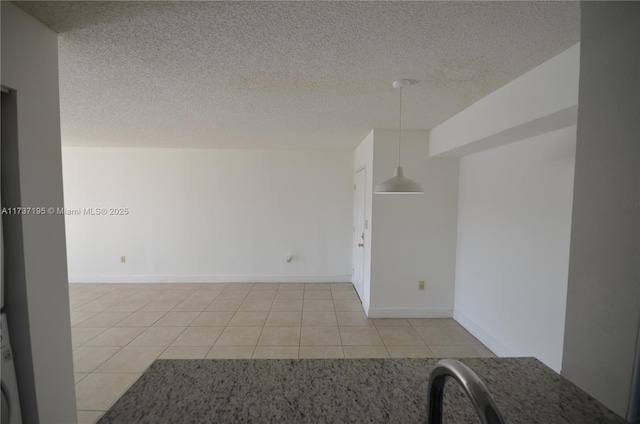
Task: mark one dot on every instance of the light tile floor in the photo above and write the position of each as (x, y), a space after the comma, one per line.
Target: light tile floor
(118, 330)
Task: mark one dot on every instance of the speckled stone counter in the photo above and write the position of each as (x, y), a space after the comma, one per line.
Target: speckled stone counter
(344, 391)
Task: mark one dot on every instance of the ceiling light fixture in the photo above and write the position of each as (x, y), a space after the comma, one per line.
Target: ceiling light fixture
(399, 184)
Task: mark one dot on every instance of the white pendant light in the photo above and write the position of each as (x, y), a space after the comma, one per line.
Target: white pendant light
(399, 184)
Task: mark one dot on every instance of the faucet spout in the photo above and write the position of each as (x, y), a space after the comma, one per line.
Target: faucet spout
(472, 385)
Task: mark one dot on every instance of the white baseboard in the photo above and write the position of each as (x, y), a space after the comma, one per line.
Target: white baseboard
(487, 339)
(207, 279)
(409, 312)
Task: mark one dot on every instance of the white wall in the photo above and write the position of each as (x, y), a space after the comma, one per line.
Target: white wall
(209, 215)
(513, 245)
(37, 296)
(603, 303)
(413, 236)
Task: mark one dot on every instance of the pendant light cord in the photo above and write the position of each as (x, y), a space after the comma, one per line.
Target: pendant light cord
(400, 129)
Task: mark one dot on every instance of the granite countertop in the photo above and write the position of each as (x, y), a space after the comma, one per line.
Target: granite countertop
(345, 391)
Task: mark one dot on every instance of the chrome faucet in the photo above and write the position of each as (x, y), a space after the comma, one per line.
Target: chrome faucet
(472, 385)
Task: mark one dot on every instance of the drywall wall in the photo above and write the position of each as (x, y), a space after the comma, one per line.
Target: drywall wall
(516, 148)
(542, 100)
(513, 245)
(37, 304)
(413, 237)
(603, 301)
(209, 215)
(363, 158)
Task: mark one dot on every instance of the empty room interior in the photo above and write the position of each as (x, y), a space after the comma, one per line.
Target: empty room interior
(317, 211)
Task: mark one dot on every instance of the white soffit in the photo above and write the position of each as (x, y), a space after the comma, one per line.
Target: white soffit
(542, 100)
(285, 74)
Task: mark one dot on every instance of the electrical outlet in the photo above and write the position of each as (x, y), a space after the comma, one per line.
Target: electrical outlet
(420, 285)
(123, 259)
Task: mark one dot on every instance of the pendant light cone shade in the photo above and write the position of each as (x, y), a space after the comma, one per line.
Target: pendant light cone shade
(399, 184)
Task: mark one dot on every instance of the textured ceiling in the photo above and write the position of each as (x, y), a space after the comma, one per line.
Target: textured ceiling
(285, 74)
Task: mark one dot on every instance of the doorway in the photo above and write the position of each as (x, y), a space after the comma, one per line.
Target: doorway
(359, 226)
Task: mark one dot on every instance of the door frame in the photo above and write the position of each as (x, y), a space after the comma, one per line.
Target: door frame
(362, 216)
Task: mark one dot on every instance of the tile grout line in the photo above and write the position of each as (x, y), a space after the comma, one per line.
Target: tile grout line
(344, 354)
